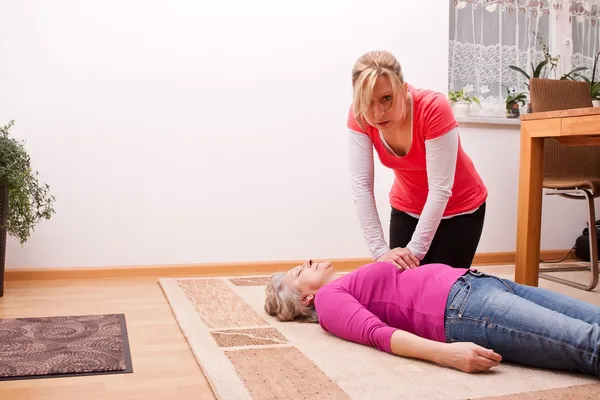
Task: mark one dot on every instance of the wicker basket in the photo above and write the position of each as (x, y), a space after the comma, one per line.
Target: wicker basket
(3, 217)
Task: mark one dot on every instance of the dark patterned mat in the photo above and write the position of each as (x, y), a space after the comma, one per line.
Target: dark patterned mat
(63, 346)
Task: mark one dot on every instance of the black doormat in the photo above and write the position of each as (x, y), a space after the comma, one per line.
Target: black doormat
(67, 346)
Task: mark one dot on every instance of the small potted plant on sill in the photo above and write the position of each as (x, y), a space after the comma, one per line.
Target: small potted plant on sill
(23, 199)
(514, 100)
(461, 100)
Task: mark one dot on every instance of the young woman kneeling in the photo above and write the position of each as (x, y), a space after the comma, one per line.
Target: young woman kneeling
(457, 318)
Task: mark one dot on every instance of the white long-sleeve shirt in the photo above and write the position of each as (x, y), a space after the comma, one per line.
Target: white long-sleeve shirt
(441, 155)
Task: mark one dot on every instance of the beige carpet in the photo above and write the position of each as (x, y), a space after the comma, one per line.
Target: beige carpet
(246, 354)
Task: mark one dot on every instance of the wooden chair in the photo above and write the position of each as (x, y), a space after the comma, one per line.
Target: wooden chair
(571, 171)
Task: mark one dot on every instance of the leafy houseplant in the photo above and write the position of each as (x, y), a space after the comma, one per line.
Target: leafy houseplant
(541, 70)
(594, 86)
(545, 67)
(24, 201)
(462, 100)
(513, 100)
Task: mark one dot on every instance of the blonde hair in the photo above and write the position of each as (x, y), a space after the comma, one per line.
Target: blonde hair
(365, 72)
(285, 303)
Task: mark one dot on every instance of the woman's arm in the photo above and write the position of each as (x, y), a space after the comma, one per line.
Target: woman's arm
(362, 178)
(466, 357)
(406, 344)
(441, 155)
(343, 316)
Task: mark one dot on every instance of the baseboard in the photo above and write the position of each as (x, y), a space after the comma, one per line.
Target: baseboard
(177, 270)
(222, 269)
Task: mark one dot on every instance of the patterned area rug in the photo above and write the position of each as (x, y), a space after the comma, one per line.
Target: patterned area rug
(246, 354)
(63, 346)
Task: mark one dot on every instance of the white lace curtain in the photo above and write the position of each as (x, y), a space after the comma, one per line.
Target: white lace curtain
(584, 18)
(487, 36)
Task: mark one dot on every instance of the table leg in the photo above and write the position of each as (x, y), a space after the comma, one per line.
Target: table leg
(529, 216)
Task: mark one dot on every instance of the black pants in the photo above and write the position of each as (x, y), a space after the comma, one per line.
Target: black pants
(455, 241)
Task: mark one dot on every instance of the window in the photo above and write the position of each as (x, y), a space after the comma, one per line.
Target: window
(488, 36)
(582, 39)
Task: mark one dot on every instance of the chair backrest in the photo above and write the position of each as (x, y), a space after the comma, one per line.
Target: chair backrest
(565, 163)
(555, 94)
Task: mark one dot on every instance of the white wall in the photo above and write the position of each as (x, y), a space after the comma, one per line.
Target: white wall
(495, 152)
(189, 132)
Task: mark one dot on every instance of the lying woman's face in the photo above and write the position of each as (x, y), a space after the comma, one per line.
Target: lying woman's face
(310, 276)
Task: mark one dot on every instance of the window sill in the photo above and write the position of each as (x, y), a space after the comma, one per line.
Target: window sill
(482, 120)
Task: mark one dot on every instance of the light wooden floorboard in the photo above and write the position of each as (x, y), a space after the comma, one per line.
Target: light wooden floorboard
(164, 366)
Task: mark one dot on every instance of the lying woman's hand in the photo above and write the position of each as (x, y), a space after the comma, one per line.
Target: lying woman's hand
(401, 257)
(469, 357)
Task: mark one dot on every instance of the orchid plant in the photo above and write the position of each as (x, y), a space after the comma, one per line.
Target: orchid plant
(514, 99)
(548, 65)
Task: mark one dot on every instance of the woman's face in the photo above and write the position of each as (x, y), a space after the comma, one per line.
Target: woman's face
(384, 111)
(309, 277)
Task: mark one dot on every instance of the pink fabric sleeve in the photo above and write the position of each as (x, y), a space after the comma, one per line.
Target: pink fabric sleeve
(343, 316)
(437, 116)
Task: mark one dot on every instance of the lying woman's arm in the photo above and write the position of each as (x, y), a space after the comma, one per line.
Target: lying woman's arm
(406, 344)
(466, 357)
(343, 316)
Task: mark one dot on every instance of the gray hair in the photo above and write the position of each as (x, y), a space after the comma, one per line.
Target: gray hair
(285, 303)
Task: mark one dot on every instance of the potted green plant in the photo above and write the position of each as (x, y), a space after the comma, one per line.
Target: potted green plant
(461, 100)
(546, 66)
(594, 86)
(513, 101)
(24, 201)
(541, 69)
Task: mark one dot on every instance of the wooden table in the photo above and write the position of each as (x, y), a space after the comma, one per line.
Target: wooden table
(576, 126)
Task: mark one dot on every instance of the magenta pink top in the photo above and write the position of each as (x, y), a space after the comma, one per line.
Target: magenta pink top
(367, 305)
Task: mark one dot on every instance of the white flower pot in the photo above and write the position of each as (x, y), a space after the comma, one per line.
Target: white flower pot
(461, 108)
(596, 103)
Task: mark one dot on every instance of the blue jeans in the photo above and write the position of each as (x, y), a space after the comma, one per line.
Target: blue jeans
(525, 325)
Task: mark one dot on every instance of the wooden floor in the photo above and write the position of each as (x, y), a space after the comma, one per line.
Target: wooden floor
(164, 366)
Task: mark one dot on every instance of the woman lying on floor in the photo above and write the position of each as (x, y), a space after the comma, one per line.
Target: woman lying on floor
(457, 318)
